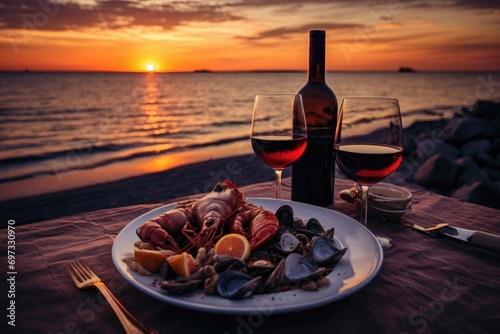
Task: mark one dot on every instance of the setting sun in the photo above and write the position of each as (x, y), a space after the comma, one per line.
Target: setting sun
(150, 67)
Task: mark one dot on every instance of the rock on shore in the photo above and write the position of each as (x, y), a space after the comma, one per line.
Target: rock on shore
(459, 157)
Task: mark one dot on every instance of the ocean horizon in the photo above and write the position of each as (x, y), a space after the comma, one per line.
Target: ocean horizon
(63, 130)
(206, 70)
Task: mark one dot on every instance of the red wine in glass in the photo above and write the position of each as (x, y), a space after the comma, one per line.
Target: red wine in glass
(279, 131)
(279, 151)
(368, 164)
(368, 152)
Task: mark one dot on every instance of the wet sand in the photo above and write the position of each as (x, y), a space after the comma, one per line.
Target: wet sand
(157, 187)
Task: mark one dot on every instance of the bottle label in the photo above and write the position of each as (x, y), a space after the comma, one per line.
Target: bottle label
(320, 136)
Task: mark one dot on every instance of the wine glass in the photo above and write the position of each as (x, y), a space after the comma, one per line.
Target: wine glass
(279, 131)
(369, 151)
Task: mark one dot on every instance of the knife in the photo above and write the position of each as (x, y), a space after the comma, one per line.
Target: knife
(476, 238)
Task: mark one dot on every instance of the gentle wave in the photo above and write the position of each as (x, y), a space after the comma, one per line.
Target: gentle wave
(58, 162)
(62, 154)
(435, 113)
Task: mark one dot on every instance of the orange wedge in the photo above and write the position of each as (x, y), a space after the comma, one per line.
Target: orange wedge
(150, 260)
(182, 264)
(234, 245)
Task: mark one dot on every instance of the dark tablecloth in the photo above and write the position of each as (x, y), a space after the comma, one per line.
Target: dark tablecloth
(426, 284)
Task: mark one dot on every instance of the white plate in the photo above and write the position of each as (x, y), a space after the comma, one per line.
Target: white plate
(355, 270)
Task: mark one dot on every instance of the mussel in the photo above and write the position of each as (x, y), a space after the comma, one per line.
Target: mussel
(324, 252)
(261, 266)
(223, 263)
(285, 216)
(313, 225)
(234, 284)
(298, 267)
(166, 272)
(312, 228)
(289, 243)
(180, 285)
(298, 224)
(276, 278)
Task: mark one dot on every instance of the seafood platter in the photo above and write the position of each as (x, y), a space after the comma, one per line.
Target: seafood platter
(227, 254)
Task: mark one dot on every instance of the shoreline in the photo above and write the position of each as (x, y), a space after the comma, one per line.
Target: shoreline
(196, 178)
(117, 171)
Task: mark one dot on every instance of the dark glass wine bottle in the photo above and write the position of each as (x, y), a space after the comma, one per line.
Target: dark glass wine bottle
(313, 175)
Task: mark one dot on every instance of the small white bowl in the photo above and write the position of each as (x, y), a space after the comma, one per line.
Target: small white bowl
(390, 195)
(385, 201)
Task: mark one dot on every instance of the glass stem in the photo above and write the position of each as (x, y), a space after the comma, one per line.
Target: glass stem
(278, 183)
(364, 206)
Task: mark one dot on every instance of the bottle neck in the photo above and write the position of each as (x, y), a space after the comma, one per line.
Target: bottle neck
(316, 72)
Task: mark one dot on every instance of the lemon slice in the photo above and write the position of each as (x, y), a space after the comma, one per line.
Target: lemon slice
(182, 264)
(234, 245)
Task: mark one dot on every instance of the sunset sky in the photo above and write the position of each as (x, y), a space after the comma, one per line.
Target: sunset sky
(227, 35)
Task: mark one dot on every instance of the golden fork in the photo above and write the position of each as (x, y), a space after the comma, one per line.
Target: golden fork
(84, 277)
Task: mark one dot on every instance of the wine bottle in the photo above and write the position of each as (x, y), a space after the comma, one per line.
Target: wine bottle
(313, 175)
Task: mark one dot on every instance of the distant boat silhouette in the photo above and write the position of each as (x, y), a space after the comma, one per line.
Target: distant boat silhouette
(203, 71)
(406, 70)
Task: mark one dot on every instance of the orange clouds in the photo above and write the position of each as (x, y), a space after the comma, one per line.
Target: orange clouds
(247, 35)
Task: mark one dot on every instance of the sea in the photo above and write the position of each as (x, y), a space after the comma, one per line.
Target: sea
(66, 130)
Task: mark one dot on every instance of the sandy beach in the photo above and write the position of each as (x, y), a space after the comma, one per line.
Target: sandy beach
(157, 187)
